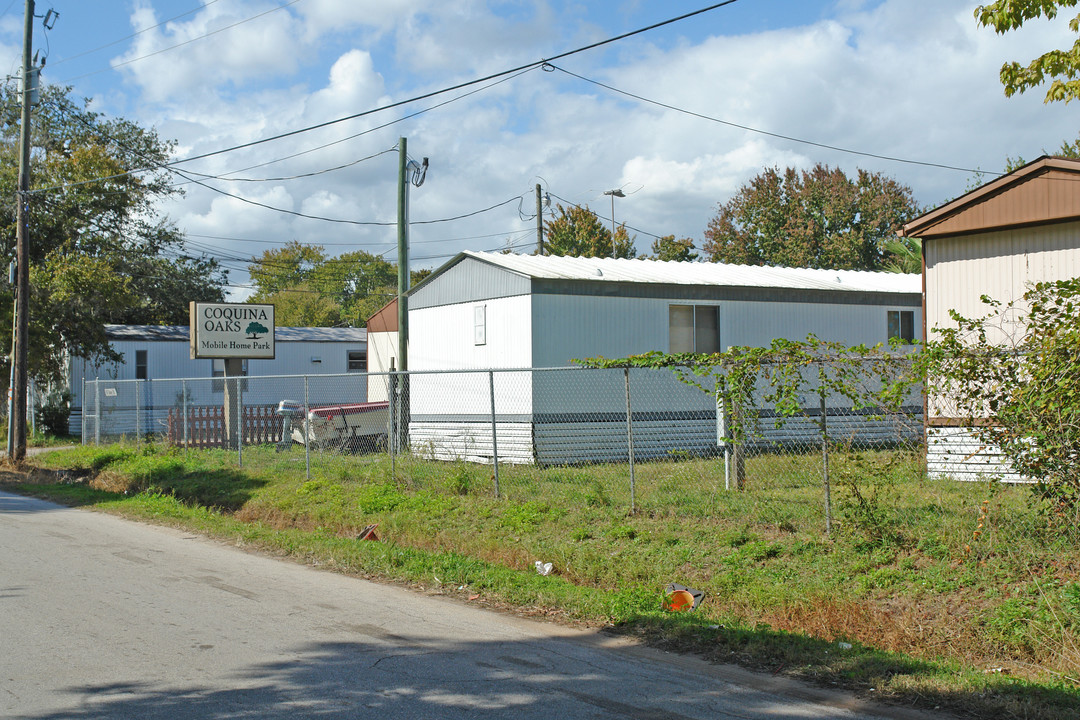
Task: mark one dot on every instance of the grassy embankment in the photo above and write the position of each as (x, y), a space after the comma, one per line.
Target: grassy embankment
(928, 593)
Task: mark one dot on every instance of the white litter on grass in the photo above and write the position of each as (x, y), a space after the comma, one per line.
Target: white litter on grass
(543, 568)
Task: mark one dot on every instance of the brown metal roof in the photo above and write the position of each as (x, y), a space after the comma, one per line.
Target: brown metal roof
(385, 320)
(1044, 191)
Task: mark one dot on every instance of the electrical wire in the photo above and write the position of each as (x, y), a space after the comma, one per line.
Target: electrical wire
(520, 68)
(132, 35)
(186, 42)
(778, 136)
(287, 157)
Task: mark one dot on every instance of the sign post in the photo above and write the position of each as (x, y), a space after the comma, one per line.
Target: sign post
(232, 332)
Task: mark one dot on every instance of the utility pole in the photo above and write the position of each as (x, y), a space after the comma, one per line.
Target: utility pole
(539, 222)
(17, 444)
(403, 255)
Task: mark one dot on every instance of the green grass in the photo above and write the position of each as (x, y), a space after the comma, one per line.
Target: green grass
(932, 583)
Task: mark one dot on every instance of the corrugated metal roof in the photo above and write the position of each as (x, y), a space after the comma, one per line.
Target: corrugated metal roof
(696, 273)
(281, 334)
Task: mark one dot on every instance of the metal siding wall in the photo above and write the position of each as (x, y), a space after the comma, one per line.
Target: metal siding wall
(570, 327)
(758, 324)
(1001, 264)
(172, 359)
(441, 338)
(468, 281)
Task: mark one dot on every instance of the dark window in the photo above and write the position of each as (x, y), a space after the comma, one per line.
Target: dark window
(140, 365)
(902, 325)
(357, 361)
(693, 328)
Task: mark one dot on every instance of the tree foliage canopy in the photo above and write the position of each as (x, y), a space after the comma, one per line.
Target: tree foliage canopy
(99, 250)
(668, 248)
(1060, 66)
(311, 289)
(578, 232)
(818, 218)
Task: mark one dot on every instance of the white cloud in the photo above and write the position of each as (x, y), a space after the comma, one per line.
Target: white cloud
(912, 79)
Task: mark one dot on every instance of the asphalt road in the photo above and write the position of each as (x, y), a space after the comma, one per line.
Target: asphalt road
(105, 618)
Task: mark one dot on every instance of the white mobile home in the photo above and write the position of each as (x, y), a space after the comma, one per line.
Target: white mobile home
(491, 310)
(996, 240)
(151, 352)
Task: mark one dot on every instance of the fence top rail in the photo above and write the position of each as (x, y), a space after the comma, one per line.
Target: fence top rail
(901, 357)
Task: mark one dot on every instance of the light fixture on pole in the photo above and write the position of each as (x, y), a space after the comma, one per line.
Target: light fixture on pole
(617, 192)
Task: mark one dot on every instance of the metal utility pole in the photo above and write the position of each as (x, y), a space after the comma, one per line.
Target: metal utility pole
(616, 193)
(17, 444)
(403, 255)
(539, 222)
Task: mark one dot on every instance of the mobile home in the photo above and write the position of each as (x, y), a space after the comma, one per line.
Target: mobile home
(492, 310)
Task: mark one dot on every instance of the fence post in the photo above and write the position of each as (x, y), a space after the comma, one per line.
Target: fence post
(738, 449)
(82, 414)
(494, 436)
(825, 461)
(391, 437)
(183, 402)
(97, 410)
(241, 425)
(630, 441)
(307, 431)
(138, 424)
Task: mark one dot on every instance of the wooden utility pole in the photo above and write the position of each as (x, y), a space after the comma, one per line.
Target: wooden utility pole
(403, 255)
(539, 222)
(17, 445)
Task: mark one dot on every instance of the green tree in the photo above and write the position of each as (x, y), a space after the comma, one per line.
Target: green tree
(1061, 67)
(668, 248)
(310, 289)
(818, 218)
(100, 252)
(903, 255)
(578, 232)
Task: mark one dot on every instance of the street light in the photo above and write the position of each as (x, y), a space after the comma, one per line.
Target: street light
(617, 192)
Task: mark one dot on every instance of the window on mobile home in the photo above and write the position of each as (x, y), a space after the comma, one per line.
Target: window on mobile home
(901, 324)
(140, 365)
(693, 328)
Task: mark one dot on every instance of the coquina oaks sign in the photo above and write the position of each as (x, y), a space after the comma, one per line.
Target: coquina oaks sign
(232, 330)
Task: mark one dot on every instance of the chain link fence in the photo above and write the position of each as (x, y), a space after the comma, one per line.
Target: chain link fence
(652, 440)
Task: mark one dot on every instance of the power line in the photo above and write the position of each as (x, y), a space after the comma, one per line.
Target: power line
(206, 4)
(520, 68)
(759, 131)
(186, 42)
(226, 177)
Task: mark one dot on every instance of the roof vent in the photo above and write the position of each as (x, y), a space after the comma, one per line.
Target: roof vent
(599, 272)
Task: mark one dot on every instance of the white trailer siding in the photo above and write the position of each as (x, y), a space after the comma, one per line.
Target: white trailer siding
(450, 413)
(1001, 265)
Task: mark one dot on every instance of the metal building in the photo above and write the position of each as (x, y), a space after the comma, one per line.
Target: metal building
(492, 310)
(996, 241)
(153, 352)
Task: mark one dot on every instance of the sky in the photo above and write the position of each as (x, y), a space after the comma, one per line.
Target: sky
(677, 117)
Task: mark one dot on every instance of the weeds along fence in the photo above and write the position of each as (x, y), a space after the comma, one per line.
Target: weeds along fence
(645, 438)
